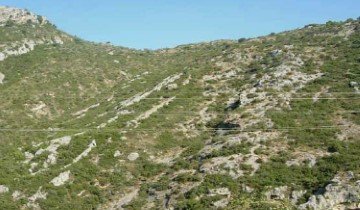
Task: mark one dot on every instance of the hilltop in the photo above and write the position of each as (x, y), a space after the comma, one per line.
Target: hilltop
(261, 123)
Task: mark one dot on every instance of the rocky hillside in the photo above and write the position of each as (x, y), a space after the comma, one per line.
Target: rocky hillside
(266, 123)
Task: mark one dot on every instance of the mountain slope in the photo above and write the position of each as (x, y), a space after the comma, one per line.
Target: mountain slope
(248, 124)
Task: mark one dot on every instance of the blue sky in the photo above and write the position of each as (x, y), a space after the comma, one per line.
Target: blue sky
(166, 23)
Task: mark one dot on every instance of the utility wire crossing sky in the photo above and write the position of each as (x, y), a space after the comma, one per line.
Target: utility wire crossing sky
(167, 23)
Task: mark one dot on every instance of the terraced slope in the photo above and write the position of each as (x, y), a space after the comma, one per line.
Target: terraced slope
(270, 122)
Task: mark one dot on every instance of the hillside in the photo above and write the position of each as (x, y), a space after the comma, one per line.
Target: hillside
(266, 123)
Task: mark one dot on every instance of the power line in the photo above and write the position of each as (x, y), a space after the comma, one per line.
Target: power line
(206, 98)
(170, 129)
(222, 111)
(107, 97)
(334, 98)
(239, 91)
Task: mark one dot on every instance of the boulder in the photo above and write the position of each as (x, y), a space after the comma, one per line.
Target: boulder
(133, 156)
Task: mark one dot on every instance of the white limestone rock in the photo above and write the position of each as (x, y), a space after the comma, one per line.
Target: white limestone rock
(17, 195)
(247, 189)
(2, 56)
(38, 195)
(172, 86)
(3, 189)
(219, 191)
(296, 195)
(61, 179)
(2, 77)
(353, 84)
(133, 156)
(221, 203)
(341, 191)
(277, 193)
(84, 153)
(19, 16)
(28, 157)
(117, 154)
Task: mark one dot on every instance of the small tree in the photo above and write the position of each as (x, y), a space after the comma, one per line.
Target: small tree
(9, 23)
(241, 40)
(40, 19)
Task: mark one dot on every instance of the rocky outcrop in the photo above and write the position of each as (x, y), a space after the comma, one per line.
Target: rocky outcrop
(285, 193)
(19, 16)
(82, 112)
(340, 194)
(296, 196)
(222, 203)
(40, 194)
(139, 97)
(84, 153)
(341, 191)
(277, 193)
(18, 48)
(220, 191)
(302, 158)
(10, 17)
(51, 149)
(136, 122)
(224, 165)
(24, 46)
